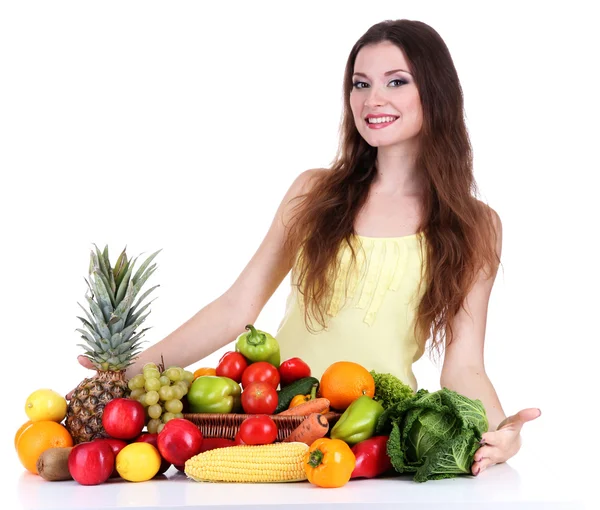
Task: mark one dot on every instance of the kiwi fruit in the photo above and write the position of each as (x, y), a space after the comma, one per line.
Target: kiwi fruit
(53, 464)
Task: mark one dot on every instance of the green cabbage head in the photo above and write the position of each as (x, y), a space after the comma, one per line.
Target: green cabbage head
(434, 435)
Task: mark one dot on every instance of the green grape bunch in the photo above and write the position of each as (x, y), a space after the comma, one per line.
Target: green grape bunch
(160, 391)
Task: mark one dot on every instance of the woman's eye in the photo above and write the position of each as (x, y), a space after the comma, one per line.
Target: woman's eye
(359, 84)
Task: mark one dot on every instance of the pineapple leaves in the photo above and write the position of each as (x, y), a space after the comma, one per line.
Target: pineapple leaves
(120, 267)
(109, 273)
(132, 313)
(143, 267)
(116, 340)
(104, 300)
(115, 310)
(140, 283)
(90, 318)
(90, 328)
(89, 339)
(129, 330)
(126, 302)
(100, 322)
(103, 271)
(124, 284)
(122, 273)
(99, 261)
(133, 317)
(136, 340)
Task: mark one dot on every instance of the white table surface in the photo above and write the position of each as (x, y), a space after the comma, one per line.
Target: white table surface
(500, 487)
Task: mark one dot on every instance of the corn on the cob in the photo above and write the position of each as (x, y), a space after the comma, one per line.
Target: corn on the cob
(277, 462)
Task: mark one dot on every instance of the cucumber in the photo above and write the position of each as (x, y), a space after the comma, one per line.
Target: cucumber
(299, 387)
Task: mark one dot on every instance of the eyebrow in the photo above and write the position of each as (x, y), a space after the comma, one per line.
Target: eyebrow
(393, 71)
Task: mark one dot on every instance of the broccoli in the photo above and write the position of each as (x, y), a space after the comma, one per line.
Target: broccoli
(389, 390)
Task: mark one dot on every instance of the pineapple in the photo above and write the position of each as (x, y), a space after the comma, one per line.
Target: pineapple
(111, 336)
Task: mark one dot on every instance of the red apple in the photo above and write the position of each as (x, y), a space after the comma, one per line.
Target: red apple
(117, 445)
(179, 440)
(91, 463)
(123, 418)
(153, 440)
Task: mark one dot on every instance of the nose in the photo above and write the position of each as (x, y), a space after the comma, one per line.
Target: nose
(374, 98)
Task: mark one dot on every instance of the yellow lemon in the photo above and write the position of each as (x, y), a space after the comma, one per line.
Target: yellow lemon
(138, 462)
(46, 405)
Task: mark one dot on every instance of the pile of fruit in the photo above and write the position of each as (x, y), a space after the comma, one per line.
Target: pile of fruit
(142, 436)
(350, 423)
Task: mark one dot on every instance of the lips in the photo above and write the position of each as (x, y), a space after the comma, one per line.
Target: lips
(380, 125)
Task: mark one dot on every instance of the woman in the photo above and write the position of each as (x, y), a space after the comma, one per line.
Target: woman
(389, 248)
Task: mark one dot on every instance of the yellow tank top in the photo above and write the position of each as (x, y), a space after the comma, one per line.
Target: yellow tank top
(371, 311)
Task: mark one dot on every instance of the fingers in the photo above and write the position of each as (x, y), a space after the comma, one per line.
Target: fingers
(530, 414)
(85, 362)
(69, 395)
(520, 418)
(485, 457)
(489, 438)
(485, 452)
(480, 466)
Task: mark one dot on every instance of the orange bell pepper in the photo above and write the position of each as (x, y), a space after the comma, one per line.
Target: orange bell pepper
(299, 399)
(329, 463)
(204, 371)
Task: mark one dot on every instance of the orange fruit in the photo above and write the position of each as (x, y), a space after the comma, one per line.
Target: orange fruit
(204, 371)
(22, 429)
(343, 382)
(37, 438)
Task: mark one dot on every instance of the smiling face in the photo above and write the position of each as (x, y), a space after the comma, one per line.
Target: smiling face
(384, 99)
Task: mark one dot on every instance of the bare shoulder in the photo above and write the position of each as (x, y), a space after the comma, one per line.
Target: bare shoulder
(307, 179)
(496, 223)
(271, 261)
(302, 185)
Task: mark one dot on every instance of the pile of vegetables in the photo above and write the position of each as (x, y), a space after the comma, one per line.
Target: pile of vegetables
(433, 435)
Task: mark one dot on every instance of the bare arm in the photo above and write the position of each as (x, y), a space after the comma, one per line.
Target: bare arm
(222, 320)
(463, 370)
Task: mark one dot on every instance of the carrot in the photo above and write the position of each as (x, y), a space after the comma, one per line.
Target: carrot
(316, 405)
(314, 427)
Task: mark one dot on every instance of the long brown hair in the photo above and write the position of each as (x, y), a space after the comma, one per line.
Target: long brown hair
(458, 228)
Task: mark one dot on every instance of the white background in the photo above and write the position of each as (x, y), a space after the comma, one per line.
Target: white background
(180, 126)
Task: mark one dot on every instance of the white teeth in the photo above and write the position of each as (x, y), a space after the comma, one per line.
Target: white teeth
(380, 120)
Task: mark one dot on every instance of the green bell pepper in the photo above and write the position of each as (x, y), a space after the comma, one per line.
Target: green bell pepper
(358, 422)
(256, 345)
(212, 394)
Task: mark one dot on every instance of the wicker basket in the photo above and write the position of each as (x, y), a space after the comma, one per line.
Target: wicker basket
(227, 425)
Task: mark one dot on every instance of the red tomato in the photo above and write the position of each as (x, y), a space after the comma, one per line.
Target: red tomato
(261, 371)
(238, 440)
(293, 369)
(232, 365)
(212, 443)
(259, 398)
(258, 430)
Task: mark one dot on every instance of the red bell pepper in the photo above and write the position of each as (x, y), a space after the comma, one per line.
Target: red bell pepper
(371, 458)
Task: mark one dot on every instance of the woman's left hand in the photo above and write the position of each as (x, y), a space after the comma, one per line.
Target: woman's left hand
(501, 445)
